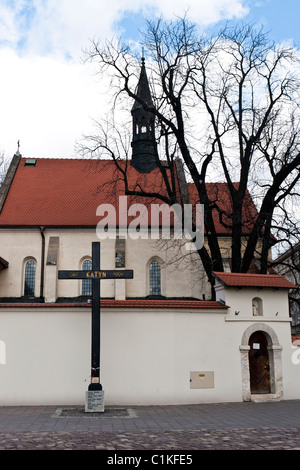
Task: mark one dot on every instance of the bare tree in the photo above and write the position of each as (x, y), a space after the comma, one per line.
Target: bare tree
(3, 168)
(228, 106)
(250, 90)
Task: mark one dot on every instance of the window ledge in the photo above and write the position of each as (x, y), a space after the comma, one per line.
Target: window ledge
(257, 318)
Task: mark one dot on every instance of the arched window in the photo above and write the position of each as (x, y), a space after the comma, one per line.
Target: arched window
(154, 278)
(257, 309)
(86, 283)
(29, 278)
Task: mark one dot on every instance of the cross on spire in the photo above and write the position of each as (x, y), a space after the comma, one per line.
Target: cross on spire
(18, 151)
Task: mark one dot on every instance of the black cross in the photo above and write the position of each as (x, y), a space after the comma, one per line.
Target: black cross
(96, 275)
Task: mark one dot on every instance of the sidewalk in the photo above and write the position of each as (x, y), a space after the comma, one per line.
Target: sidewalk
(232, 426)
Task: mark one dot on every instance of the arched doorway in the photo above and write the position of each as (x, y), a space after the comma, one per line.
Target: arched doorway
(268, 357)
(259, 363)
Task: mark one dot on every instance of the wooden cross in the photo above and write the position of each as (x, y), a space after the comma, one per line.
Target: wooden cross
(96, 275)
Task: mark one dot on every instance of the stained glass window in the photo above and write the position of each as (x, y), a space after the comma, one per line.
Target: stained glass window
(29, 284)
(154, 278)
(86, 283)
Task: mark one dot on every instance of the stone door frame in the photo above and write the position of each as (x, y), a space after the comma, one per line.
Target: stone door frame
(274, 350)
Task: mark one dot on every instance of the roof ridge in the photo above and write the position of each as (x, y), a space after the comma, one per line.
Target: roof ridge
(246, 274)
(68, 158)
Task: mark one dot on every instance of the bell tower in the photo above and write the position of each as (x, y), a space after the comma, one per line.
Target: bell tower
(144, 147)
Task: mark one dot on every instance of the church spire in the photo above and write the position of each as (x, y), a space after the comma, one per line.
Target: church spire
(144, 149)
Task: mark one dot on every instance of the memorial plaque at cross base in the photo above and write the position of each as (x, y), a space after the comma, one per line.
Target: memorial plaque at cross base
(94, 401)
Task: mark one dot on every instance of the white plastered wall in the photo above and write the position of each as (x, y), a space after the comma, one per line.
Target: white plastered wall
(74, 246)
(146, 356)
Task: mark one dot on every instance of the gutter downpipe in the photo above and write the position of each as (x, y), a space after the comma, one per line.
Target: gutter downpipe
(42, 229)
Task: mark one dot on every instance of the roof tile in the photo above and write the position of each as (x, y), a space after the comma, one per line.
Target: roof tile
(253, 280)
(67, 192)
(136, 303)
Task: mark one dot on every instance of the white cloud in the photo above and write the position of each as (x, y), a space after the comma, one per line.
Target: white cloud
(7, 26)
(202, 11)
(46, 103)
(65, 25)
(47, 95)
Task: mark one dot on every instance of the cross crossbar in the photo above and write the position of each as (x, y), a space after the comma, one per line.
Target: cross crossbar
(101, 274)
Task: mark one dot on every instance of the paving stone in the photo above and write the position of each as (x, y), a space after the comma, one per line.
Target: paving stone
(234, 426)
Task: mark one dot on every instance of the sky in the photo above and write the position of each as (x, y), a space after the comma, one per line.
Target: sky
(49, 96)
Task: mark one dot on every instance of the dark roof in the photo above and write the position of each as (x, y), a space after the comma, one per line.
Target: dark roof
(143, 90)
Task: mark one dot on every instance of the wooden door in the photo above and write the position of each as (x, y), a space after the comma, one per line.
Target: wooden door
(259, 363)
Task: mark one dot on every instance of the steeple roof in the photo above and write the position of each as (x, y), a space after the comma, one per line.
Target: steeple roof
(144, 146)
(143, 89)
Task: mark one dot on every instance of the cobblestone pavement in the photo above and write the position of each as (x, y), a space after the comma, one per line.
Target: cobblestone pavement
(250, 439)
(230, 426)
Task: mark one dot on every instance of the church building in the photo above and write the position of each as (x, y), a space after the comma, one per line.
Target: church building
(162, 339)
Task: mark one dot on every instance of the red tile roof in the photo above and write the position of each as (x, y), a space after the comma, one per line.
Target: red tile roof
(219, 194)
(140, 304)
(151, 303)
(67, 192)
(253, 280)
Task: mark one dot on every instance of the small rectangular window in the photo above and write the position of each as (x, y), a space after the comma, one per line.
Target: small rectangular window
(30, 162)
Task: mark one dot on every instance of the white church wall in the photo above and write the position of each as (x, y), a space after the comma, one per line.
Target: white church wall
(18, 246)
(74, 247)
(291, 372)
(274, 303)
(147, 356)
(178, 279)
(152, 363)
(47, 355)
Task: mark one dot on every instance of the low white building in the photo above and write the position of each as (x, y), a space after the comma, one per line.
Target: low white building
(258, 314)
(154, 351)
